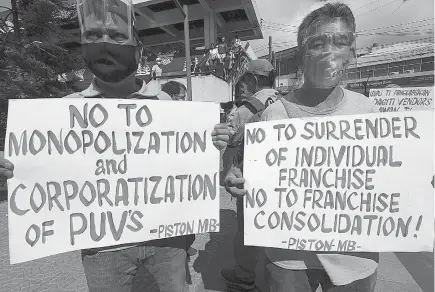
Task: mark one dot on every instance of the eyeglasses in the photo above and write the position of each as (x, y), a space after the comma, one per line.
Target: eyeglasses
(319, 43)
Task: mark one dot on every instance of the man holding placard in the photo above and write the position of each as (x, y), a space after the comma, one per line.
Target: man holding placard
(256, 87)
(326, 41)
(256, 92)
(111, 47)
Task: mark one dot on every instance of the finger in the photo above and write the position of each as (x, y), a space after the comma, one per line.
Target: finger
(4, 163)
(224, 132)
(220, 131)
(236, 192)
(224, 138)
(234, 181)
(6, 173)
(221, 126)
(236, 172)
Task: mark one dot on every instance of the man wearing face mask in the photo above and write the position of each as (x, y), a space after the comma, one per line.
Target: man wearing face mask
(110, 46)
(256, 90)
(111, 50)
(326, 41)
(156, 71)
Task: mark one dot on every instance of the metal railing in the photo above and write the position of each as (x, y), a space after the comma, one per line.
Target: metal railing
(391, 70)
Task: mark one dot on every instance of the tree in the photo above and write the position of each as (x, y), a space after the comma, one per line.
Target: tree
(31, 54)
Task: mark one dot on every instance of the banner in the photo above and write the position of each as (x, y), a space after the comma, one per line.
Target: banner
(341, 184)
(95, 173)
(403, 99)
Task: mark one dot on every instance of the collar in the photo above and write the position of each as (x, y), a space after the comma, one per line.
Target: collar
(146, 90)
(264, 94)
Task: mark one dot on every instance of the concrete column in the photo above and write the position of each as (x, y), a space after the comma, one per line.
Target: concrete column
(210, 29)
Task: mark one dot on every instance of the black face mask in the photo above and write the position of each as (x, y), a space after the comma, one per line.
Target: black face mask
(110, 62)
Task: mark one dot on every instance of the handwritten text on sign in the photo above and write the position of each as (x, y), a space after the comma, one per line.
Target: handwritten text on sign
(345, 183)
(403, 99)
(97, 173)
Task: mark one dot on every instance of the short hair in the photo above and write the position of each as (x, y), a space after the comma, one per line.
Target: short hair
(328, 11)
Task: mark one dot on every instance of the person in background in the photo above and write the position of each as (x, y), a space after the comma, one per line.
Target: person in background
(237, 41)
(256, 90)
(222, 46)
(113, 57)
(194, 65)
(326, 46)
(214, 57)
(227, 64)
(156, 71)
(236, 46)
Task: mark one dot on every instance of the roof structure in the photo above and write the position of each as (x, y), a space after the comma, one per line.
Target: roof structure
(396, 52)
(160, 22)
(378, 54)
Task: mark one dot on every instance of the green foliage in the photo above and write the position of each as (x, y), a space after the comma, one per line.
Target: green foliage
(31, 61)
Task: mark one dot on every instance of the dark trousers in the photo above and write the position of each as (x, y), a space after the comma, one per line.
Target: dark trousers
(283, 280)
(246, 256)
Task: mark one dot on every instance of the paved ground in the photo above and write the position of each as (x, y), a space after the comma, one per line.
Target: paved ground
(403, 272)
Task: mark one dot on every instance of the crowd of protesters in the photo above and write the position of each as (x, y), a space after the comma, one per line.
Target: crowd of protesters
(219, 59)
(326, 46)
(221, 56)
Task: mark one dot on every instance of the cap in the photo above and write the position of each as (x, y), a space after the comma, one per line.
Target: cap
(259, 67)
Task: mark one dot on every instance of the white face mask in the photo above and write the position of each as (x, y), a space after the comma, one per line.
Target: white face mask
(327, 54)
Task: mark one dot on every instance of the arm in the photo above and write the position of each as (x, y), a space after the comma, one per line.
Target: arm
(238, 163)
(236, 124)
(234, 182)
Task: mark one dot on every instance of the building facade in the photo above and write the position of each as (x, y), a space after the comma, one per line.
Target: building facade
(405, 64)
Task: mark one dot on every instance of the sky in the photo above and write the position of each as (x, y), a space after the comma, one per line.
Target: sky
(6, 3)
(280, 15)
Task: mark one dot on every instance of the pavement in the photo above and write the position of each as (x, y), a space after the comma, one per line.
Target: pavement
(399, 272)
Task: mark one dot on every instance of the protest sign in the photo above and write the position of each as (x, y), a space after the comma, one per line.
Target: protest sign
(403, 99)
(94, 173)
(343, 184)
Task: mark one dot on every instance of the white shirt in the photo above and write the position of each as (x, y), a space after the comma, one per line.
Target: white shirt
(156, 68)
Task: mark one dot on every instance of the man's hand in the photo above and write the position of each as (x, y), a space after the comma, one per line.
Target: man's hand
(220, 136)
(234, 183)
(6, 169)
